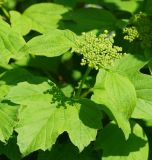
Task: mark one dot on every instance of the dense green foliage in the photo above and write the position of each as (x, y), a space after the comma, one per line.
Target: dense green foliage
(75, 79)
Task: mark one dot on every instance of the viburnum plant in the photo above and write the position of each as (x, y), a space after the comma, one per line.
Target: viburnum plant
(75, 80)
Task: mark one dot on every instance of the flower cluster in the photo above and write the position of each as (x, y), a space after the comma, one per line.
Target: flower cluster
(98, 51)
(140, 28)
(131, 33)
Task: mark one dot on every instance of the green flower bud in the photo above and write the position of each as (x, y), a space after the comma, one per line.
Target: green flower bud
(131, 33)
(141, 29)
(98, 51)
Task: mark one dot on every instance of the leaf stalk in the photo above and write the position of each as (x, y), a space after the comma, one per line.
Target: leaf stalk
(82, 82)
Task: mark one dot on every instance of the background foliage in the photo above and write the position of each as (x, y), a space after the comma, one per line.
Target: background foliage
(75, 79)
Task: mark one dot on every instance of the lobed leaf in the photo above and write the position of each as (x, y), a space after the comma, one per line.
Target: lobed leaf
(52, 44)
(118, 95)
(8, 119)
(12, 45)
(46, 113)
(130, 66)
(20, 23)
(40, 17)
(143, 85)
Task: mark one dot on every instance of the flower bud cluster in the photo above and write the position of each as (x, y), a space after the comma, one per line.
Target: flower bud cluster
(141, 29)
(98, 51)
(131, 33)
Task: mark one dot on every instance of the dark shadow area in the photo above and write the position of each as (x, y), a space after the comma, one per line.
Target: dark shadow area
(65, 150)
(89, 114)
(31, 35)
(40, 63)
(107, 114)
(2, 69)
(148, 131)
(3, 157)
(24, 4)
(9, 103)
(16, 75)
(87, 19)
(71, 3)
(100, 16)
(145, 70)
(113, 142)
(10, 149)
(57, 69)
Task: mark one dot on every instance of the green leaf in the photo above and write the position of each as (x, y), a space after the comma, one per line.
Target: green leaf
(143, 84)
(42, 17)
(45, 64)
(130, 6)
(3, 91)
(118, 95)
(20, 23)
(84, 120)
(48, 113)
(11, 78)
(8, 119)
(115, 147)
(52, 44)
(12, 45)
(14, 76)
(88, 19)
(130, 66)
